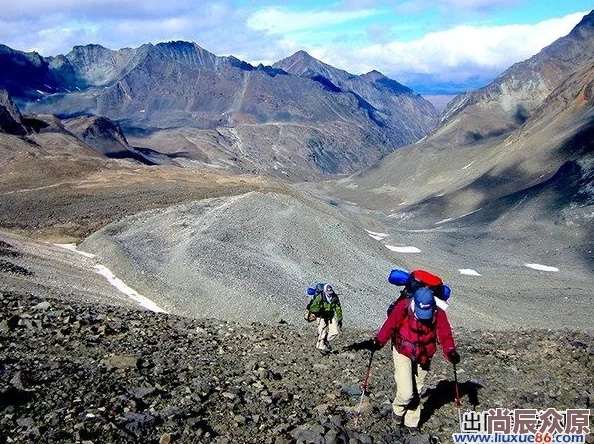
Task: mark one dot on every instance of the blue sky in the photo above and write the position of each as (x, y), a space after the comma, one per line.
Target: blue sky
(429, 44)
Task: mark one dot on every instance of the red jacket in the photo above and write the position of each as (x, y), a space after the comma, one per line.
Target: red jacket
(413, 338)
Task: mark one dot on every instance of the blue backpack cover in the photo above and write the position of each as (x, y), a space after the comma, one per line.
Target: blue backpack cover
(311, 291)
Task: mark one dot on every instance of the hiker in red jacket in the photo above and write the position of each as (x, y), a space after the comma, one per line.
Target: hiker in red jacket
(414, 325)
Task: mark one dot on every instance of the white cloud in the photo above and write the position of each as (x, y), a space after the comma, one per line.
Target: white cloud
(456, 7)
(452, 6)
(458, 52)
(477, 4)
(279, 20)
(52, 28)
(98, 10)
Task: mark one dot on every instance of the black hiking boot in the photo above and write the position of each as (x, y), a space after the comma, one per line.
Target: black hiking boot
(397, 420)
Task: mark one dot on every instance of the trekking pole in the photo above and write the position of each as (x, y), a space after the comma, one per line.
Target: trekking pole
(363, 388)
(458, 401)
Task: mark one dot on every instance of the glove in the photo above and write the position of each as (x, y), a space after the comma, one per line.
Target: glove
(368, 344)
(454, 357)
(375, 345)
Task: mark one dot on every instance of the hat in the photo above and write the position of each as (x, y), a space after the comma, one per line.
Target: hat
(424, 304)
(328, 288)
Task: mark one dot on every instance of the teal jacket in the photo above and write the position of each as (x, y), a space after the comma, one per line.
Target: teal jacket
(324, 309)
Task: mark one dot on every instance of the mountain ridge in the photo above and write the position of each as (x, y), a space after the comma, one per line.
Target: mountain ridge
(164, 89)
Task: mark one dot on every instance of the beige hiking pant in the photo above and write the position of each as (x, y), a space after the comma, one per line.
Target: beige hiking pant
(409, 384)
(327, 331)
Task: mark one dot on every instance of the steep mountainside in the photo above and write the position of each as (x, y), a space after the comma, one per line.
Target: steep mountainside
(98, 133)
(94, 65)
(26, 75)
(245, 118)
(532, 187)
(11, 120)
(559, 132)
(388, 100)
(509, 100)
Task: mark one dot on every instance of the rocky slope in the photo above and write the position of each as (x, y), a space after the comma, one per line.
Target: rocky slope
(250, 258)
(106, 137)
(25, 74)
(98, 133)
(71, 372)
(246, 258)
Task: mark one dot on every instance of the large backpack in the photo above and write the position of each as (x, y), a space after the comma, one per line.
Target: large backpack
(312, 292)
(416, 279)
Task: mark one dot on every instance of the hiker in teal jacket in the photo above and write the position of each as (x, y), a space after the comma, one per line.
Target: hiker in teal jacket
(325, 305)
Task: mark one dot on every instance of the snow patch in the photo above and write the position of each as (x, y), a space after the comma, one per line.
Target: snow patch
(542, 267)
(469, 272)
(403, 249)
(449, 219)
(469, 165)
(376, 236)
(115, 281)
(72, 247)
(133, 294)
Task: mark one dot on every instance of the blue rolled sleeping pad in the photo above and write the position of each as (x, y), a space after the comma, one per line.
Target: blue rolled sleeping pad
(446, 292)
(318, 288)
(400, 277)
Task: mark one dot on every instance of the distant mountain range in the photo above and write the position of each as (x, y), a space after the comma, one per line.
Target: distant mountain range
(504, 183)
(299, 119)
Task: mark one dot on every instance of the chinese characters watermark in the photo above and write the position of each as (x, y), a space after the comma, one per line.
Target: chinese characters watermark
(524, 425)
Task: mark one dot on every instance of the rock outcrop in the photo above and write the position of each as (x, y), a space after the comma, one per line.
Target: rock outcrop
(11, 120)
